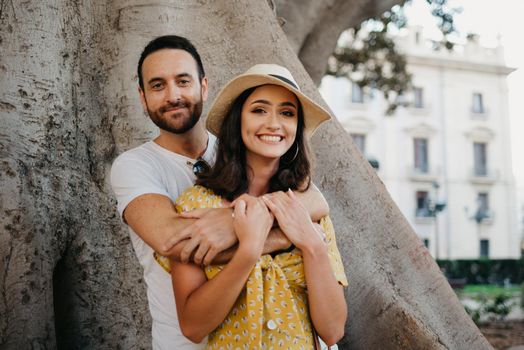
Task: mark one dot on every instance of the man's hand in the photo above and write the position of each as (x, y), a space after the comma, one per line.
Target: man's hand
(212, 233)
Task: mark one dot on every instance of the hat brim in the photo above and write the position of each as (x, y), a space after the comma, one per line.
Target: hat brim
(314, 115)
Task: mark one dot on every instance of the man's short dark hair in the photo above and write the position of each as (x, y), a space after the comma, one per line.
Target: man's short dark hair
(170, 42)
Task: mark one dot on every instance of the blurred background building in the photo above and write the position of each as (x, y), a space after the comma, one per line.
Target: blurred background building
(446, 156)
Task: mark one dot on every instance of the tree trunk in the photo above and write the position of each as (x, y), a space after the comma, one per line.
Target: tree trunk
(68, 99)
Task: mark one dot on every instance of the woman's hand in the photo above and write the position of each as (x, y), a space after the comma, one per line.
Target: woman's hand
(293, 219)
(252, 222)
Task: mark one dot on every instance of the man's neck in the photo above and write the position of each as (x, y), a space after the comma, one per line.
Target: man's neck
(191, 144)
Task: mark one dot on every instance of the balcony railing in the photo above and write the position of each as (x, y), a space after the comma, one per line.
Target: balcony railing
(484, 216)
(480, 115)
(423, 213)
(423, 174)
(483, 175)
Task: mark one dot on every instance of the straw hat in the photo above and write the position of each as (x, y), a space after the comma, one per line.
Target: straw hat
(263, 74)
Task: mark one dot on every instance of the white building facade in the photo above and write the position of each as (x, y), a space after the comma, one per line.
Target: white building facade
(451, 146)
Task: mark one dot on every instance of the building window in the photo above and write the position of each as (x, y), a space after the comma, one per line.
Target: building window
(418, 95)
(420, 147)
(422, 204)
(484, 248)
(426, 242)
(480, 158)
(478, 105)
(357, 95)
(360, 141)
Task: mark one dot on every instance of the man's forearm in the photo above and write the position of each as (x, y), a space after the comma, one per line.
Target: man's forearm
(275, 241)
(154, 219)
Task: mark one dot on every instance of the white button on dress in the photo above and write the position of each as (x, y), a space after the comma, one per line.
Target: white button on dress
(271, 325)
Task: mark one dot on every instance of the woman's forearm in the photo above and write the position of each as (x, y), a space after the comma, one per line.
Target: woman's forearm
(202, 309)
(327, 305)
(203, 304)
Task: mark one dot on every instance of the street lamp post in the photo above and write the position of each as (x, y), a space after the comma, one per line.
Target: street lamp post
(435, 207)
(480, 215)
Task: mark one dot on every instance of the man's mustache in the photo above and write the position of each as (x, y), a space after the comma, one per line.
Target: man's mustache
(169, 106)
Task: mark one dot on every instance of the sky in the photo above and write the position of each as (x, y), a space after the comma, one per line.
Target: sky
(492, 20)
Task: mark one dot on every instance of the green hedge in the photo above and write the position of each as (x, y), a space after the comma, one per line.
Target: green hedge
(484, 271)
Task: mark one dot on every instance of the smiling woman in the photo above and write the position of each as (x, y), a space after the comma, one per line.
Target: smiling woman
(270, 121)
(262, 300)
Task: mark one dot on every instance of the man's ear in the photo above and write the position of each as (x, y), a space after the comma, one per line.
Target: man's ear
(203, 86)
(142, 98)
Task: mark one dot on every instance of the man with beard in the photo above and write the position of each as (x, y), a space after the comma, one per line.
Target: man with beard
(148, 179)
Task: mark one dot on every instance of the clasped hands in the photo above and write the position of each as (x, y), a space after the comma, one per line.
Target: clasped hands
(247, 220)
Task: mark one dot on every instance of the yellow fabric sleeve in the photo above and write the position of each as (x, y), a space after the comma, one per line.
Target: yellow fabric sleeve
(334, 254)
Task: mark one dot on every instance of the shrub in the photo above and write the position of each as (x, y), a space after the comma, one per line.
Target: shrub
(484, 271)
(522, 295)
(499, 307)
(496, 308)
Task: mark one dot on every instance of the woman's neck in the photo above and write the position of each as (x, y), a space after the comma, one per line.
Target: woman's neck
(260, 171)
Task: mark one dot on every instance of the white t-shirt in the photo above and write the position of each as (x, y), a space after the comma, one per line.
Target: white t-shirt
(151, 168)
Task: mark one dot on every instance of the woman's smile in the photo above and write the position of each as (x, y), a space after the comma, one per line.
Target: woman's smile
(271, 138)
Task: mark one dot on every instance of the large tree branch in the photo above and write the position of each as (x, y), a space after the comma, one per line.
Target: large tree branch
(313, 27)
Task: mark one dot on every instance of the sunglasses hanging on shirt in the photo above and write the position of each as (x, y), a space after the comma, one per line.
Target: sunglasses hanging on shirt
(200, 166)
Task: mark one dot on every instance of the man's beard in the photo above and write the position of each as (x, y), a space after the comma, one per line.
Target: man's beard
(185, 125)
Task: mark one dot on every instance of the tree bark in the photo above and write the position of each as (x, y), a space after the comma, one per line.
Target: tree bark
(68, 274)
(68, 99)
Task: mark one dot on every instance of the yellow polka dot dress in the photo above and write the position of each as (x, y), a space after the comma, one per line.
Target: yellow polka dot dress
(272, 310)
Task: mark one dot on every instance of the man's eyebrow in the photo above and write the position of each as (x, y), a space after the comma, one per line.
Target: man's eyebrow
(266, 102)
(155, 79)
(178, 76)
(183, 75)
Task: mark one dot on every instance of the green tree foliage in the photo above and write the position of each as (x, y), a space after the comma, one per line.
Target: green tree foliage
(367, 54)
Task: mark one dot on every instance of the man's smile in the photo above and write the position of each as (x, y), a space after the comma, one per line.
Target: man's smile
(173, 107)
